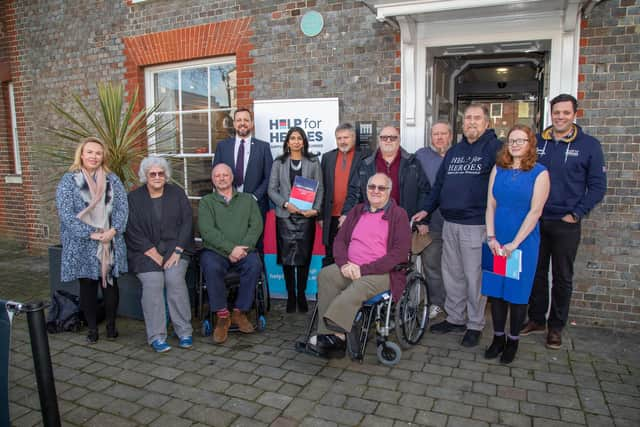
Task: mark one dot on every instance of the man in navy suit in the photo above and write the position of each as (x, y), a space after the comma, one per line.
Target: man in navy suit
(338, 165)
(249, 158)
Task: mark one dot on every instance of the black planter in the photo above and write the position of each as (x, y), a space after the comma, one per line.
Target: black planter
(128, 284)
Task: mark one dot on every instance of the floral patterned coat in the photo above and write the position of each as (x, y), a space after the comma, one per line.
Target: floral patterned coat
(79, 258)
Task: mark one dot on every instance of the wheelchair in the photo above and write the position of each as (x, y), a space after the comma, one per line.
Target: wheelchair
(408, 319)
(261, 301)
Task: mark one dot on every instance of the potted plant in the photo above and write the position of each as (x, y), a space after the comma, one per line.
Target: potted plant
(124, 133)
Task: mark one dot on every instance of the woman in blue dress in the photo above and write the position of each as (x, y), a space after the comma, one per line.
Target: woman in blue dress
(518, 190)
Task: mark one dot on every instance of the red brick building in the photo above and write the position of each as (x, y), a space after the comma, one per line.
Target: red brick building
(404, 62)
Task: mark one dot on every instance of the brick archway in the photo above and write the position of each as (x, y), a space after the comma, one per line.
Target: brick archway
(230, 37)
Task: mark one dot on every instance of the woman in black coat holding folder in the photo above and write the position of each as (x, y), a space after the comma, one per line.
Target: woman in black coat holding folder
(295, 228)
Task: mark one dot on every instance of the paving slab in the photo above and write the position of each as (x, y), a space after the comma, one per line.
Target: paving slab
(258, 379)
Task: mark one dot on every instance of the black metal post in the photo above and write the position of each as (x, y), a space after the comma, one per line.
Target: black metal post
(42, 363)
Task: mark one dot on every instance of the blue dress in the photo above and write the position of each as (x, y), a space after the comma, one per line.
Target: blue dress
(513, 190)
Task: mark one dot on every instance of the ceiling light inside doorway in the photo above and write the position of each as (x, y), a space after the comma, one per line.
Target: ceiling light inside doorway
(502, 70)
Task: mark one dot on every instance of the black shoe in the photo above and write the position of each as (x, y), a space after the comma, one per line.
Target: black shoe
(291, 305)
(471, 338)
(446, 327)
(112, 332)
(92, 336)
(496, 347)
(331, 346)
(510, 351)
(303, 307)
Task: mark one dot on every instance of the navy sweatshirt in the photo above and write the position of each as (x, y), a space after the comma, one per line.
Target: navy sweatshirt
(577, 172)
(463, 178)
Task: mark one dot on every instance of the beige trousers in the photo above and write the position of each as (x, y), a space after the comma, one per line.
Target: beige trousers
(339, 298)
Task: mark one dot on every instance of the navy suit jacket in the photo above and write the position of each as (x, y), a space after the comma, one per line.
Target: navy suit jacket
(256, 177)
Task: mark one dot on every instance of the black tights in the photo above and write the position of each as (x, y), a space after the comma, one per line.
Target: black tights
(293, 272)
(499, 310)
(89, 301)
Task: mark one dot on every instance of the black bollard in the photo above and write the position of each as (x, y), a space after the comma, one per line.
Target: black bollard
(42, 363)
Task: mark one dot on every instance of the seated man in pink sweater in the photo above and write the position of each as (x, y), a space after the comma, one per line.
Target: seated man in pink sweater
(374, 238)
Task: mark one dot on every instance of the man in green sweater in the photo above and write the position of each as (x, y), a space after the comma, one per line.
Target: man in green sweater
(230, 225)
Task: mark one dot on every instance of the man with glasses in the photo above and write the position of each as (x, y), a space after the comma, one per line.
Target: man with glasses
(338, 166)
(410, 185)
(578, 183)
(372, 240)
(431, 158)
(460, 191)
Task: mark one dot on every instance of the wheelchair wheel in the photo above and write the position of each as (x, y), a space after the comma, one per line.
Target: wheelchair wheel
(389, 353)
(412, 312)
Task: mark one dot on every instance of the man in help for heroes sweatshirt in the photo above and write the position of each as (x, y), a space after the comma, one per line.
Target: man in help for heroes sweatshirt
(578, 182)
(461, 193)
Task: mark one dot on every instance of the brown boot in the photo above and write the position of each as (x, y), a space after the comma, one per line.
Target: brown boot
(554, 339)
(239, 319)
(222, 329)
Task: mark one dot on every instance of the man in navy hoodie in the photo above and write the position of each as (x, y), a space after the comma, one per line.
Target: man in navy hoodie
(460, 191)
(578, 182)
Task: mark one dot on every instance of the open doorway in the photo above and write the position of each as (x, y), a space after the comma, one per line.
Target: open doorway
(511, 85)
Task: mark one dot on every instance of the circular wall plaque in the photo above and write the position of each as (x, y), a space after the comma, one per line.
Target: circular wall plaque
(311, 23)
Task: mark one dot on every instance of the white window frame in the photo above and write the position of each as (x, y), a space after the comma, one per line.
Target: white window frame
(14, 132)
(150, 100)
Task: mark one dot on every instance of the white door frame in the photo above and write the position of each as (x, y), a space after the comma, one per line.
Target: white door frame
(562, 30)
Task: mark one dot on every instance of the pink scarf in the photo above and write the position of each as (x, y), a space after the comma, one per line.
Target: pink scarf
(95, 214)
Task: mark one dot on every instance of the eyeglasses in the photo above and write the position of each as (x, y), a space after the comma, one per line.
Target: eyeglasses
(520, 141)
(380, 188)
(391, 138)
(156, 174)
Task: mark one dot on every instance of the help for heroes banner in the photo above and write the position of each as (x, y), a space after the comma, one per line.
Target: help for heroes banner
(317, 116)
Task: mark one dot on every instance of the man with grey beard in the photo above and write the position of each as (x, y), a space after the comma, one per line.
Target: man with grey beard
(338, 166)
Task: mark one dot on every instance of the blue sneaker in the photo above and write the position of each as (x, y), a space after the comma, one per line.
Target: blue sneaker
(160, 346)
(186, 342)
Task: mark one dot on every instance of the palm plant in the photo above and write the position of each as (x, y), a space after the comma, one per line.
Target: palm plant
(123, 130)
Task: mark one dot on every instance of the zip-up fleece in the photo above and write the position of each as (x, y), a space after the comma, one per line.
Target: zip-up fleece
(577, 172)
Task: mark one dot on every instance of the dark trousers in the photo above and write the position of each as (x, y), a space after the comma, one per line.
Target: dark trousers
(215, 266)
(559, 242)
(333, 230)
(89, 301)
(499, 310)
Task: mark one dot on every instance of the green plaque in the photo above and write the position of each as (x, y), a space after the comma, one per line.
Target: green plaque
(311, 23)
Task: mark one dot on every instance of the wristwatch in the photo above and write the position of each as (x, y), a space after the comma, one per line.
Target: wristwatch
(574, 216)
(178, 251)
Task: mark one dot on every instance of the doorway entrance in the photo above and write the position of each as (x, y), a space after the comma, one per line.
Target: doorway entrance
(510, 84)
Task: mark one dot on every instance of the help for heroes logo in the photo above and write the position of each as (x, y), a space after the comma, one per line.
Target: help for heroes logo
(278, 129)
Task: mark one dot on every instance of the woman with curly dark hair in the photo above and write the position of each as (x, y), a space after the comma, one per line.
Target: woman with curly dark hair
(518, 190)
(295, 228)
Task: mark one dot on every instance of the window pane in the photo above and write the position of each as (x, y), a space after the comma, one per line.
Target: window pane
(194, 89)
(221, 127)
(195, 133)
(199, 176)
(223, 85)
(166, 90)
(167, 139)
(177, 171)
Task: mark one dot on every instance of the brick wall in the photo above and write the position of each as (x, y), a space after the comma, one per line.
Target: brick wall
(607, 288)
(66, 48)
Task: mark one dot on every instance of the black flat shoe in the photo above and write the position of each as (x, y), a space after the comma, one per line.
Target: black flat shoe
(510, 350)
(303, 307)
(112, 332)
(92, 336)
(471, 338)
(496, 347)
(331, 346)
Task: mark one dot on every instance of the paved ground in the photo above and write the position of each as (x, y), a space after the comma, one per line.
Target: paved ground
(259, 380)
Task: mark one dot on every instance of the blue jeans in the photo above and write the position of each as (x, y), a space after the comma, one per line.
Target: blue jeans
(215, 266)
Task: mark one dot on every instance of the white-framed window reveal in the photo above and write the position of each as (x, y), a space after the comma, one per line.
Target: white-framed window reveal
(197, 100)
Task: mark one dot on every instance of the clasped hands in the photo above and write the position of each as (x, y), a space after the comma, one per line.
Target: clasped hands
(501, 250)
(103, 236)
(351, 271)
(292, 209)
(157, 258)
